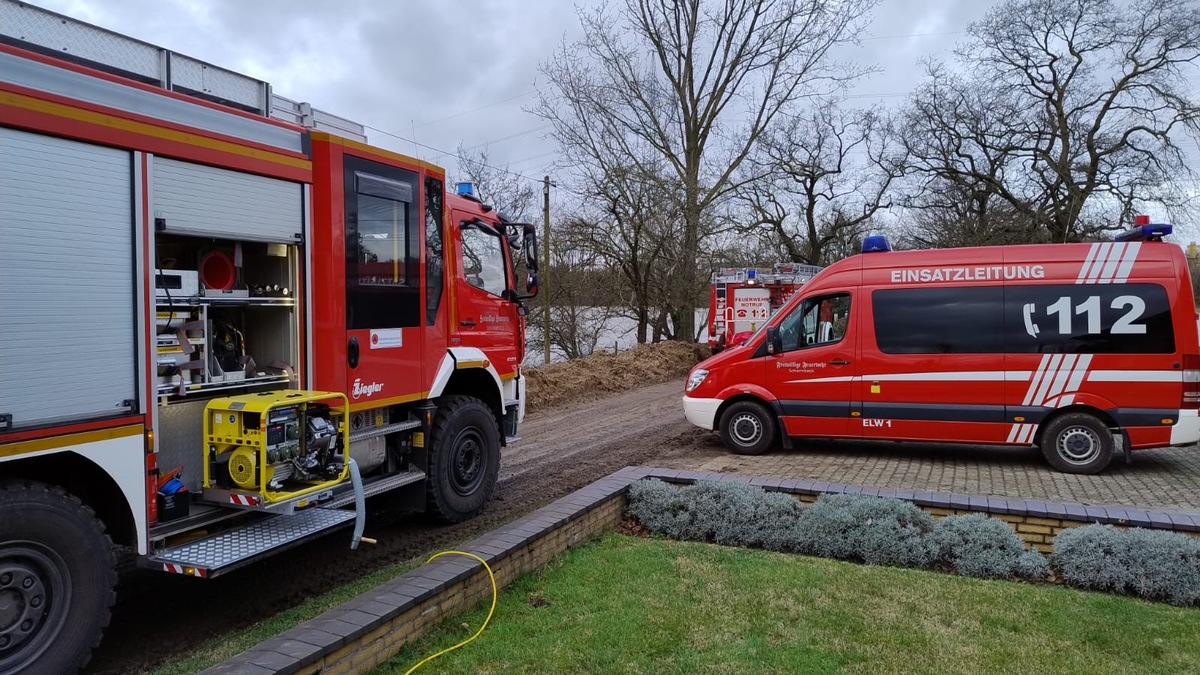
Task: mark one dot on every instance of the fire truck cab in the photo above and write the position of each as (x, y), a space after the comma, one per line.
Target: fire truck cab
(226, 321)
(1062, 346)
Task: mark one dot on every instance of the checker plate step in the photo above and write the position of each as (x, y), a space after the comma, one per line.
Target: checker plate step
(229, 550)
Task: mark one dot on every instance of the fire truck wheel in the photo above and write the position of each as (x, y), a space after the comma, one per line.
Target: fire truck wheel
(464, 459)
(1077, 443)
(57, 580)
(747, 428)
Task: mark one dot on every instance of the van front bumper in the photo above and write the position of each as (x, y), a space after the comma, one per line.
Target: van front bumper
(701, 411)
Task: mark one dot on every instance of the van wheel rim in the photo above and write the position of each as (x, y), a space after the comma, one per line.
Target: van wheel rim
(746, 429)
(1078, 445)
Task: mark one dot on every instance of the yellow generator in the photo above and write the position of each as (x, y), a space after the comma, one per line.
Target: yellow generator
(274, 446)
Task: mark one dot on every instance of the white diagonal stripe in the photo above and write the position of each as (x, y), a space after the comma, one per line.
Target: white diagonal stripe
(1110, 263)
(1127, 260)
(1060, 378)
(1081, 368)
(1027, 433)
(1087, 263)
(1047, 377)
(1012, 434)
(1098, 264)
(1037, 379)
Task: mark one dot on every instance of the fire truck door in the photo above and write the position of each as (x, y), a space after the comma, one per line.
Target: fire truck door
(813, 374)
(485, 316)
(383, 282)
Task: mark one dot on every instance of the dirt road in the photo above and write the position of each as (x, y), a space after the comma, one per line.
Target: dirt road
(158, 616)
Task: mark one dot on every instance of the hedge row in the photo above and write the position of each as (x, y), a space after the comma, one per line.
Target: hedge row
(1151, 564)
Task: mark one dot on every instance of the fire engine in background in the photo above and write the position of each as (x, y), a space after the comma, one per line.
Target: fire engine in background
(223, 319)
(741, 300)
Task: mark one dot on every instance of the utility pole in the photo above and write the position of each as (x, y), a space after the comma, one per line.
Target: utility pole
(546, 266)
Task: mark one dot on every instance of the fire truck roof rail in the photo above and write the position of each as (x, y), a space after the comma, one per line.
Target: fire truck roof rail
(778, 273)
(41, 30)
(305, 115)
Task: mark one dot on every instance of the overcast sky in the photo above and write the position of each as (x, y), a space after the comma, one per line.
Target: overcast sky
(445, 72)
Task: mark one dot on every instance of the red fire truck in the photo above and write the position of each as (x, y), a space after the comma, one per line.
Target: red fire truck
(225, 319)
(742, 299)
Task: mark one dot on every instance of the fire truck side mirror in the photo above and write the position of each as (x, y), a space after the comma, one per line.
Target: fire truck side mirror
(530, 245)
(774, 342)
(531, 251)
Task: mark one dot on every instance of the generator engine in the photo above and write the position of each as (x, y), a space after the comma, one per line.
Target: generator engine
(276, 445)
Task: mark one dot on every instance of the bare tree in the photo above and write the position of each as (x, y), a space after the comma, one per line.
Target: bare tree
(1070, 115)
(581, 309)
(633, 228)
(692, 85)
(825, 173)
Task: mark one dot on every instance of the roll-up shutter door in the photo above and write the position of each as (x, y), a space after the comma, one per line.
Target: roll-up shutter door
(67, 328)
(204, 200)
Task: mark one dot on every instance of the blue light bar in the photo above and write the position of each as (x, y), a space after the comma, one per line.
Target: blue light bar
(751, 273)
(1149, 232)
(465, 189)
(875, 243)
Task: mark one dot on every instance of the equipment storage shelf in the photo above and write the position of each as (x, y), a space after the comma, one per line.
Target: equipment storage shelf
(227, 316)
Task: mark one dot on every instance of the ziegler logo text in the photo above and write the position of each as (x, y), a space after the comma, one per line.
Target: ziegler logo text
(369, 389)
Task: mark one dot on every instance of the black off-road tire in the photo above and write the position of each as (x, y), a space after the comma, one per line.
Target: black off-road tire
(747, 428)
(1077, 443)
(57, 579)
(464, 459)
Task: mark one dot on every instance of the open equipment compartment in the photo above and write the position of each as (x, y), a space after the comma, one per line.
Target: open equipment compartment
(220, 325)
(227, 269)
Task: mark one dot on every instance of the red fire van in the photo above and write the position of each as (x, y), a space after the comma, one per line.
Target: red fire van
(1062, 346)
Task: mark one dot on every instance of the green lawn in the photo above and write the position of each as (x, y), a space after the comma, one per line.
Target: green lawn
(630, 605)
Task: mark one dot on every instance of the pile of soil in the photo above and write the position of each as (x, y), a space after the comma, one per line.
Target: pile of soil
(606, 373)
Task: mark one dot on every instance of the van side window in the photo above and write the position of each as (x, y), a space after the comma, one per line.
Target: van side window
(1024, 319)
(962, 320)
(1088, 319)
(816, 321)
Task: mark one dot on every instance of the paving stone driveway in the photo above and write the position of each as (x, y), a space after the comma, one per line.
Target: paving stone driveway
(1163, 477)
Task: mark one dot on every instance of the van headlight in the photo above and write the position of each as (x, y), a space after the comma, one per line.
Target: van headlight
(695, 378)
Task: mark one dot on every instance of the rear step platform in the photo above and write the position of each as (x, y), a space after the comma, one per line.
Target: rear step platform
(231, 549)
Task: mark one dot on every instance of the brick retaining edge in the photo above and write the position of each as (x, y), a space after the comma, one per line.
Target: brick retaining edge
(362, 633)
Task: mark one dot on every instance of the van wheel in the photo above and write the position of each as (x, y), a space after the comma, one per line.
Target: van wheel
(747, 428)
(1077, 443)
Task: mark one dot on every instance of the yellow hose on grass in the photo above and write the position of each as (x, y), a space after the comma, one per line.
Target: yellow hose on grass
(492, 577)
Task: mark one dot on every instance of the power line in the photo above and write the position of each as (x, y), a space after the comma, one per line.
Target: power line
(509, 137)
(475, 110)
(912, 35)
(449, 153)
